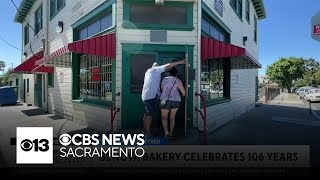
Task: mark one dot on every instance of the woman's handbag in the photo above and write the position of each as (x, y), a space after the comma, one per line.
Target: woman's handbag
(164, 101)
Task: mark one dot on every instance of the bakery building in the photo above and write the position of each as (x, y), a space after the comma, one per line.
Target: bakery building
(85, 60)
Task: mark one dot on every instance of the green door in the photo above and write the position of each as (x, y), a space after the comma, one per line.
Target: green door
(38, 90)
(134, 67)
(136, 60)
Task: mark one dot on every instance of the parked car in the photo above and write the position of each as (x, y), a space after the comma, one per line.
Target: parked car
(8, 95)
(298, 91)
(313, 95)
(303, 91)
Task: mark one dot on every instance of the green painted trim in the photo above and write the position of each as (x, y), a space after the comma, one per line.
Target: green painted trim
(50, 78)
(247, 6)
(26, 35)
(75, 72)
(213, 102)
(101, 10)
(35, 20)
(24, 10)
(127, 24)
(154, 47)
(234, 9)
(58, 10)
(211, 14)
(113, 79)
(213, 22)
(134, 48)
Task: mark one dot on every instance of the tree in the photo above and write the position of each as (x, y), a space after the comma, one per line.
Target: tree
(311, 65)
(2, 65)
(6, 77)
(285, 71)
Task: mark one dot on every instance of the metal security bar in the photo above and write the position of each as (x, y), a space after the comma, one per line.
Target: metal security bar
(212, 77)
(95, 77)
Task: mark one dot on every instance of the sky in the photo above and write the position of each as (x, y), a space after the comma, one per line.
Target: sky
(11, 32)
(285, 32)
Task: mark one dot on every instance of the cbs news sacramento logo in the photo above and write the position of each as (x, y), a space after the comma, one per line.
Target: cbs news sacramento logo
(34, 145)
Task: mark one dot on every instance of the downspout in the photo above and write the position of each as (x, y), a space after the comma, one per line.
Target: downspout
(199, 57)
(47, 50)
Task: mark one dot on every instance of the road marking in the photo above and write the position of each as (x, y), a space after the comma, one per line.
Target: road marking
(315, 114)
(295, 121)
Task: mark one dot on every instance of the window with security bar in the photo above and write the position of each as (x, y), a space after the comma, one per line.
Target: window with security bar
(215, 75)
(95, 78)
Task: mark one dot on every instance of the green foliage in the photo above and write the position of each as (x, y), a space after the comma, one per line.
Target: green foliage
(2, 65)
(5, 78)
(309, 77)
(285, 71)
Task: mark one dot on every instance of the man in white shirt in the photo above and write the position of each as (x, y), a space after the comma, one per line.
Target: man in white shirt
(151, 89)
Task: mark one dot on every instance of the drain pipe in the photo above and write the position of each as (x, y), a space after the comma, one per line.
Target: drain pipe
(199, 57)
(46, 51)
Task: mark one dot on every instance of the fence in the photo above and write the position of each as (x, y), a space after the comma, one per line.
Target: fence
(267, 94)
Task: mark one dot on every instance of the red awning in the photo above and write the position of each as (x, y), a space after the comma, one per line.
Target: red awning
(240, 57)
(28, 65)
(104, 45)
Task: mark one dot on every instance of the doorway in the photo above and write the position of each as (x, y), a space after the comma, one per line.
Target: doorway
(135, 64)
(24, 91)
(38, 90)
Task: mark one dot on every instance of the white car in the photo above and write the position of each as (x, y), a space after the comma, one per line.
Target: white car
(313, 95)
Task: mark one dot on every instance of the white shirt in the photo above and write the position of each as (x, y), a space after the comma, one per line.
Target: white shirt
(151, 86)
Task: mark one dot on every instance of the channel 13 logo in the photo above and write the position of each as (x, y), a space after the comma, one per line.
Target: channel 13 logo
(34, 145)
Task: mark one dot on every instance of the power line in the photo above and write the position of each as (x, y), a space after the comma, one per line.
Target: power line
(27, 24)
(42, 23)
(24, 19)
(9, 44)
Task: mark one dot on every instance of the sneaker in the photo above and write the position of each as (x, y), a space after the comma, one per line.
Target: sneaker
(166, 136)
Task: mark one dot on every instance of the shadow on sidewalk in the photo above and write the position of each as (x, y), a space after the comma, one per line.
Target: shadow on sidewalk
(259, 127)
(34, 112)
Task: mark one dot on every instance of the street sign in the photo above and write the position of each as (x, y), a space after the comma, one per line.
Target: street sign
(315, 27)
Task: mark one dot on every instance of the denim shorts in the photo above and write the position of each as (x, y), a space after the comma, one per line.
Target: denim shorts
(170, 105)
(149, 106)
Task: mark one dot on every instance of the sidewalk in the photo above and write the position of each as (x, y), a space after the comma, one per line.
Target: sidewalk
(26, 116)
(280, 122)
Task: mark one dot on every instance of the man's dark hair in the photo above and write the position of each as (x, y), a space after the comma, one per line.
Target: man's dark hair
(173, 71)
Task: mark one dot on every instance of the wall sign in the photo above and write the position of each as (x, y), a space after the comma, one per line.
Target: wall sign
(108, 86)
(315, 27)
(218, 6)
(95, 74)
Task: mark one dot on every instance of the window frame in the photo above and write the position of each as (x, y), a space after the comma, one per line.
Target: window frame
(247, 15)
(127, 24)
(238, 2)
(26, 34)
(255, 31)
(209, 16)
(217, 26)
(28, 85)
(56, 10)
(50, 80)
(91, 17)
(94, 21)
(38, 29)
(226, 84)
